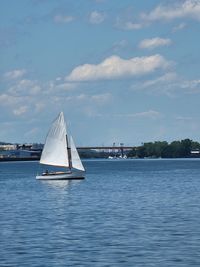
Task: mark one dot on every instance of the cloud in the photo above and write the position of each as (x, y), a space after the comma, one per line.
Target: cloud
(154, 42)
(115, 67)
(129, 20)
(9, 100)
(129, 25)
(101, 98)
(117, 46)
(96, 17)
(20, 111)
(39, 106)
(163, 12)
(166, 78)
(14, 104)
(192, 84)
(169, 84)
(62, 86)
(181, 9)
(183, 119)
(59, 18)
(150, 114)
(25, 87)
(179, 27)
(17, 105)
(15, 74)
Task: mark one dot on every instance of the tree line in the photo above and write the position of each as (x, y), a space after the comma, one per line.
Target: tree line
(163, 149)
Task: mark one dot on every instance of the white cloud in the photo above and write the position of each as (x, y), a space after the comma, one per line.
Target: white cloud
(101, 98)
(183, 119)
(117, 46)
(128, 25)
(115, 67)
(25, 87)
(6, 99)
(166, 78)
(151, 114)
(128, 20)
(64, 86)
(154, 42)
(58, 79)
(59, 18)
(15, 74)
(163, 12)
(15, 104)
(181, 9)
(96, 17)
(169, 84)
(192, 84)
(39, 106)
(179, 27)
(20, 111)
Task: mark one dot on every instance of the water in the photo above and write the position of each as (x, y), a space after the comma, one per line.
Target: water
(125, 213)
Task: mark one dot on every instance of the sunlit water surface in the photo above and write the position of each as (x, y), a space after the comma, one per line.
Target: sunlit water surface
(125, 213)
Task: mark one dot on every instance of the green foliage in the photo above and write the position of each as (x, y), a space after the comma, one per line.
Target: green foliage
(175, 149)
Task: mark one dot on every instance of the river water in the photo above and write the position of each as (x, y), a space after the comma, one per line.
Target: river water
(125, 213)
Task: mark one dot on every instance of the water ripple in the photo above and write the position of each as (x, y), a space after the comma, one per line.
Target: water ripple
(126, 213)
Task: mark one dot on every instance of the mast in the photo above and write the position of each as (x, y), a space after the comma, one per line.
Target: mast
(69, 153)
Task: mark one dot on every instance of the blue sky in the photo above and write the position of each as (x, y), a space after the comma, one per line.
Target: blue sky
(121, 71)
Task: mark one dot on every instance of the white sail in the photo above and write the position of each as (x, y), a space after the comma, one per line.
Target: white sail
(55, 149)
(76, 161)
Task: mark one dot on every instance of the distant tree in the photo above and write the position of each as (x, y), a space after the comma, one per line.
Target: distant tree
(176, 149)
(186, 146)
(132, 153)
(167, 152)
(149, 149)
(140, 152)
(160, 148)
(195, 145)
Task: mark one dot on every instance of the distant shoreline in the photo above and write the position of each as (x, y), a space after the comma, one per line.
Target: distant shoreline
(7, 159)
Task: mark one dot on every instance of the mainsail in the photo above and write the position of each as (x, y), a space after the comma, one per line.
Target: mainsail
(55, 149)
(76, 162)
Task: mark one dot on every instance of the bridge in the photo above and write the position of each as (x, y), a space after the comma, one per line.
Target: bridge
(106, 147)
(111, 149)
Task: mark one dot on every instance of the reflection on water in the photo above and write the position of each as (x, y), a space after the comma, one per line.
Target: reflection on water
(57, 184)
(60, 184)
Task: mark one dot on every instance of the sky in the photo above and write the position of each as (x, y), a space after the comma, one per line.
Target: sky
(121, 71)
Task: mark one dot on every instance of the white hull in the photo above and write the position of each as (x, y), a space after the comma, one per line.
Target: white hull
(61, 176)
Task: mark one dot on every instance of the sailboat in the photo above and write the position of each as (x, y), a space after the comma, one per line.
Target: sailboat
(60, 151)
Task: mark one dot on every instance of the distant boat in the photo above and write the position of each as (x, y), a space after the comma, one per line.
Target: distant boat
(60, 151)
(120, 157)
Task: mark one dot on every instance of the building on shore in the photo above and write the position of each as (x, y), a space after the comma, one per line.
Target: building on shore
(8, 147)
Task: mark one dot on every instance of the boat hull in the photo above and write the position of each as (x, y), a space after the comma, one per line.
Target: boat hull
(61, 176)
